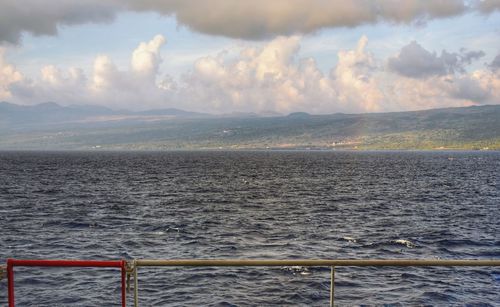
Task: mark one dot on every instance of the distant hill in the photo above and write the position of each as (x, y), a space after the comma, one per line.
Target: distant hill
(450, 128)
(299, 114)
(50, 113)
(172, 112)
(47, 112)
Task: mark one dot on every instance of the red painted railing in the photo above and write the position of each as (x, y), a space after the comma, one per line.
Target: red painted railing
(129, 268)
(11, 263)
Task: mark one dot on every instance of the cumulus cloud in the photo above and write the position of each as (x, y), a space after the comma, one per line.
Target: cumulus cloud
(106, 85)
(54, 84)
(269, 77)
(144, 65)
(433, 80)
(274, 78)
(8, 76)
(354, 80)
(248, 19)
(266, 78)
(136, 87)
(146, 58)
(469, 88)
(416, 62)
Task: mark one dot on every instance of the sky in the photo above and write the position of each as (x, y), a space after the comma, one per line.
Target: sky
(223, 56)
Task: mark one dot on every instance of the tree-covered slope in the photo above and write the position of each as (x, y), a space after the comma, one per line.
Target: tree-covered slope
(452, 128)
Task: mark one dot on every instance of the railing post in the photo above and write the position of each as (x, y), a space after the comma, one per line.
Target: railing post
(123, 282)
(332, 285)
(10, 282)
(136, 286)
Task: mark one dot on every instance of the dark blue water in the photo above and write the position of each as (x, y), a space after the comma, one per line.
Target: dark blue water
(276, 205)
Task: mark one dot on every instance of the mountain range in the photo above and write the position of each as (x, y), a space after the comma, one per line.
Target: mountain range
(49, 126)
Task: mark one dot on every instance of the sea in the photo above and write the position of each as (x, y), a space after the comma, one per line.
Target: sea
(252, 205)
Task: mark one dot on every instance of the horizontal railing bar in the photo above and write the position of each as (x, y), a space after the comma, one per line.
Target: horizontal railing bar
(64, 263)
(316, 262)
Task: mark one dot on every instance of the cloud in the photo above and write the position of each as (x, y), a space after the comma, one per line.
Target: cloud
(490, 82)
(488, 6)
(416, 62)
(495, 64)
(52, 75)
(467, 57)
(267, 78)
(8, 76)
(146, 58)
(247, 19)
(264, 77)
(107, 85)
(469, 89)
(53, 84)
(44, 17)
(353, 77)
(259, 19)
(106, 75)
(438, 81)
(274, 78)
(476, 88)
(131, 87)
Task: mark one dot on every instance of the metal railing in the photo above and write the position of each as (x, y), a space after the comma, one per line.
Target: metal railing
(129, 268)
(11, 263)
(302, 263)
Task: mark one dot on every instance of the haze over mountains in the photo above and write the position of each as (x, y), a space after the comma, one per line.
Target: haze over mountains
(49, 126)
(49, 113)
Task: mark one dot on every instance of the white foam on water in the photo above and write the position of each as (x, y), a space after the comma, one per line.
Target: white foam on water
(407, 243)
(350, 239)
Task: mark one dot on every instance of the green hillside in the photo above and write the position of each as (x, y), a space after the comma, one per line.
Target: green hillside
(452, 128)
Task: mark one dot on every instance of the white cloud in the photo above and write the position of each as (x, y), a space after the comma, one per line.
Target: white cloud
(356, 86)
(135, 88)
(54, 84)
(146, 58)
(8, 76)
(268, 78)
(106, 75)
(271, 77)
(434, 92)
(489, 81)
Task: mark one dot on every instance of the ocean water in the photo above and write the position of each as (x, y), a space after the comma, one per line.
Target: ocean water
(264, 205)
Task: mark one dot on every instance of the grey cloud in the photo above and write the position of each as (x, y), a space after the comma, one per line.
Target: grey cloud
(469, 89)
(416, 62)
(495, 64)
(44, 17)
(467, 57)
(488, 6)
(258, 19)
(248, 19)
